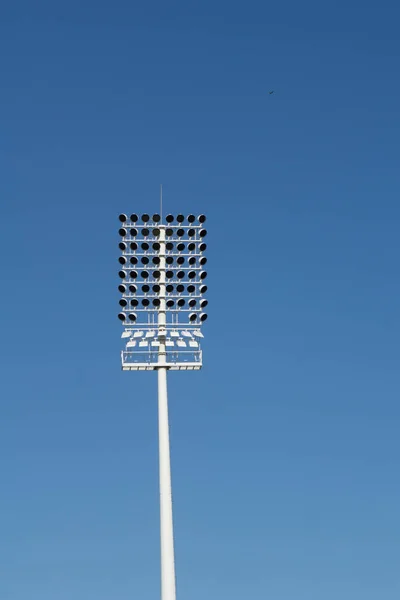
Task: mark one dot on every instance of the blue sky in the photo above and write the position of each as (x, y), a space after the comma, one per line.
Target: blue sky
(285, 447)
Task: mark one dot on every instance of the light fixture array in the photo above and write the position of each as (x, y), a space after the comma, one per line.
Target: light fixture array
(162, 272)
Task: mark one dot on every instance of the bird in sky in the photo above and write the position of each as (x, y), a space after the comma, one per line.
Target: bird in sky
(271, 92)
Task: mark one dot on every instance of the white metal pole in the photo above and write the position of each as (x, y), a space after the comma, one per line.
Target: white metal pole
(168, 591)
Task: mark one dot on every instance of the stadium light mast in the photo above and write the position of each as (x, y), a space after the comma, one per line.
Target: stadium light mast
(162, 309)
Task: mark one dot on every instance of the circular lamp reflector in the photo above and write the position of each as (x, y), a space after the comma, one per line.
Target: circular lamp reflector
(145, 288)
(169, 218)
(203, 289)
(145, 302)
(156, 288)
(156, 246)
(134, 217)
(180, 247)
(122, 260)
(203, 274)
(132, 316)
(203, 247)
(144, 274)
(122, 218)
(145, 246)
(169, 246)
(156, 218)
(169, 260)
(180, 232)
(170, 303)
(133, 231)
(156, 260)
(203, 260)
(145, 260)
(180, 218)
(181, 302)
(181, 274)
(145, 218)
(121, 316)
(192, 317)
(192, 260)
(122, 232)
(191, 289)
(132, 288)
(133, 274)
(156, 301)
(169, 232)
(156, 232)
(122, 246)
(133, 246)
(133, 260)
(122, 288)
(192, 274)
(203, 304)
(169, 288)
(192, 303)
(122, 274)
(203, 233)
(203, 317)
(123, 302)
(169, 274)
(191, 232)
(202, 218)
(180, 288)
(191, 219)
(145, 232)
(191, 247)
(180, 260)
(156, 274)
(134, 302)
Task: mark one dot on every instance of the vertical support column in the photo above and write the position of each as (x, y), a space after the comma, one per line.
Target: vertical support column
(168, 591)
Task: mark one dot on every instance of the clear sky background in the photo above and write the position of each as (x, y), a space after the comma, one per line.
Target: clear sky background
(285, 448)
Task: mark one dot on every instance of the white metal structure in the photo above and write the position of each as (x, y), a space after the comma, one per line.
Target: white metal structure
(162, 310)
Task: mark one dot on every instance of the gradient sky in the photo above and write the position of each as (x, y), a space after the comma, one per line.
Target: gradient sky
(285, 448)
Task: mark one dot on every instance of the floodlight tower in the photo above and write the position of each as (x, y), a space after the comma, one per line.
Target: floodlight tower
(162, 309)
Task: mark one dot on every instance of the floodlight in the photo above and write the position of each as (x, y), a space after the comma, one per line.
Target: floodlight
(161, 308)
